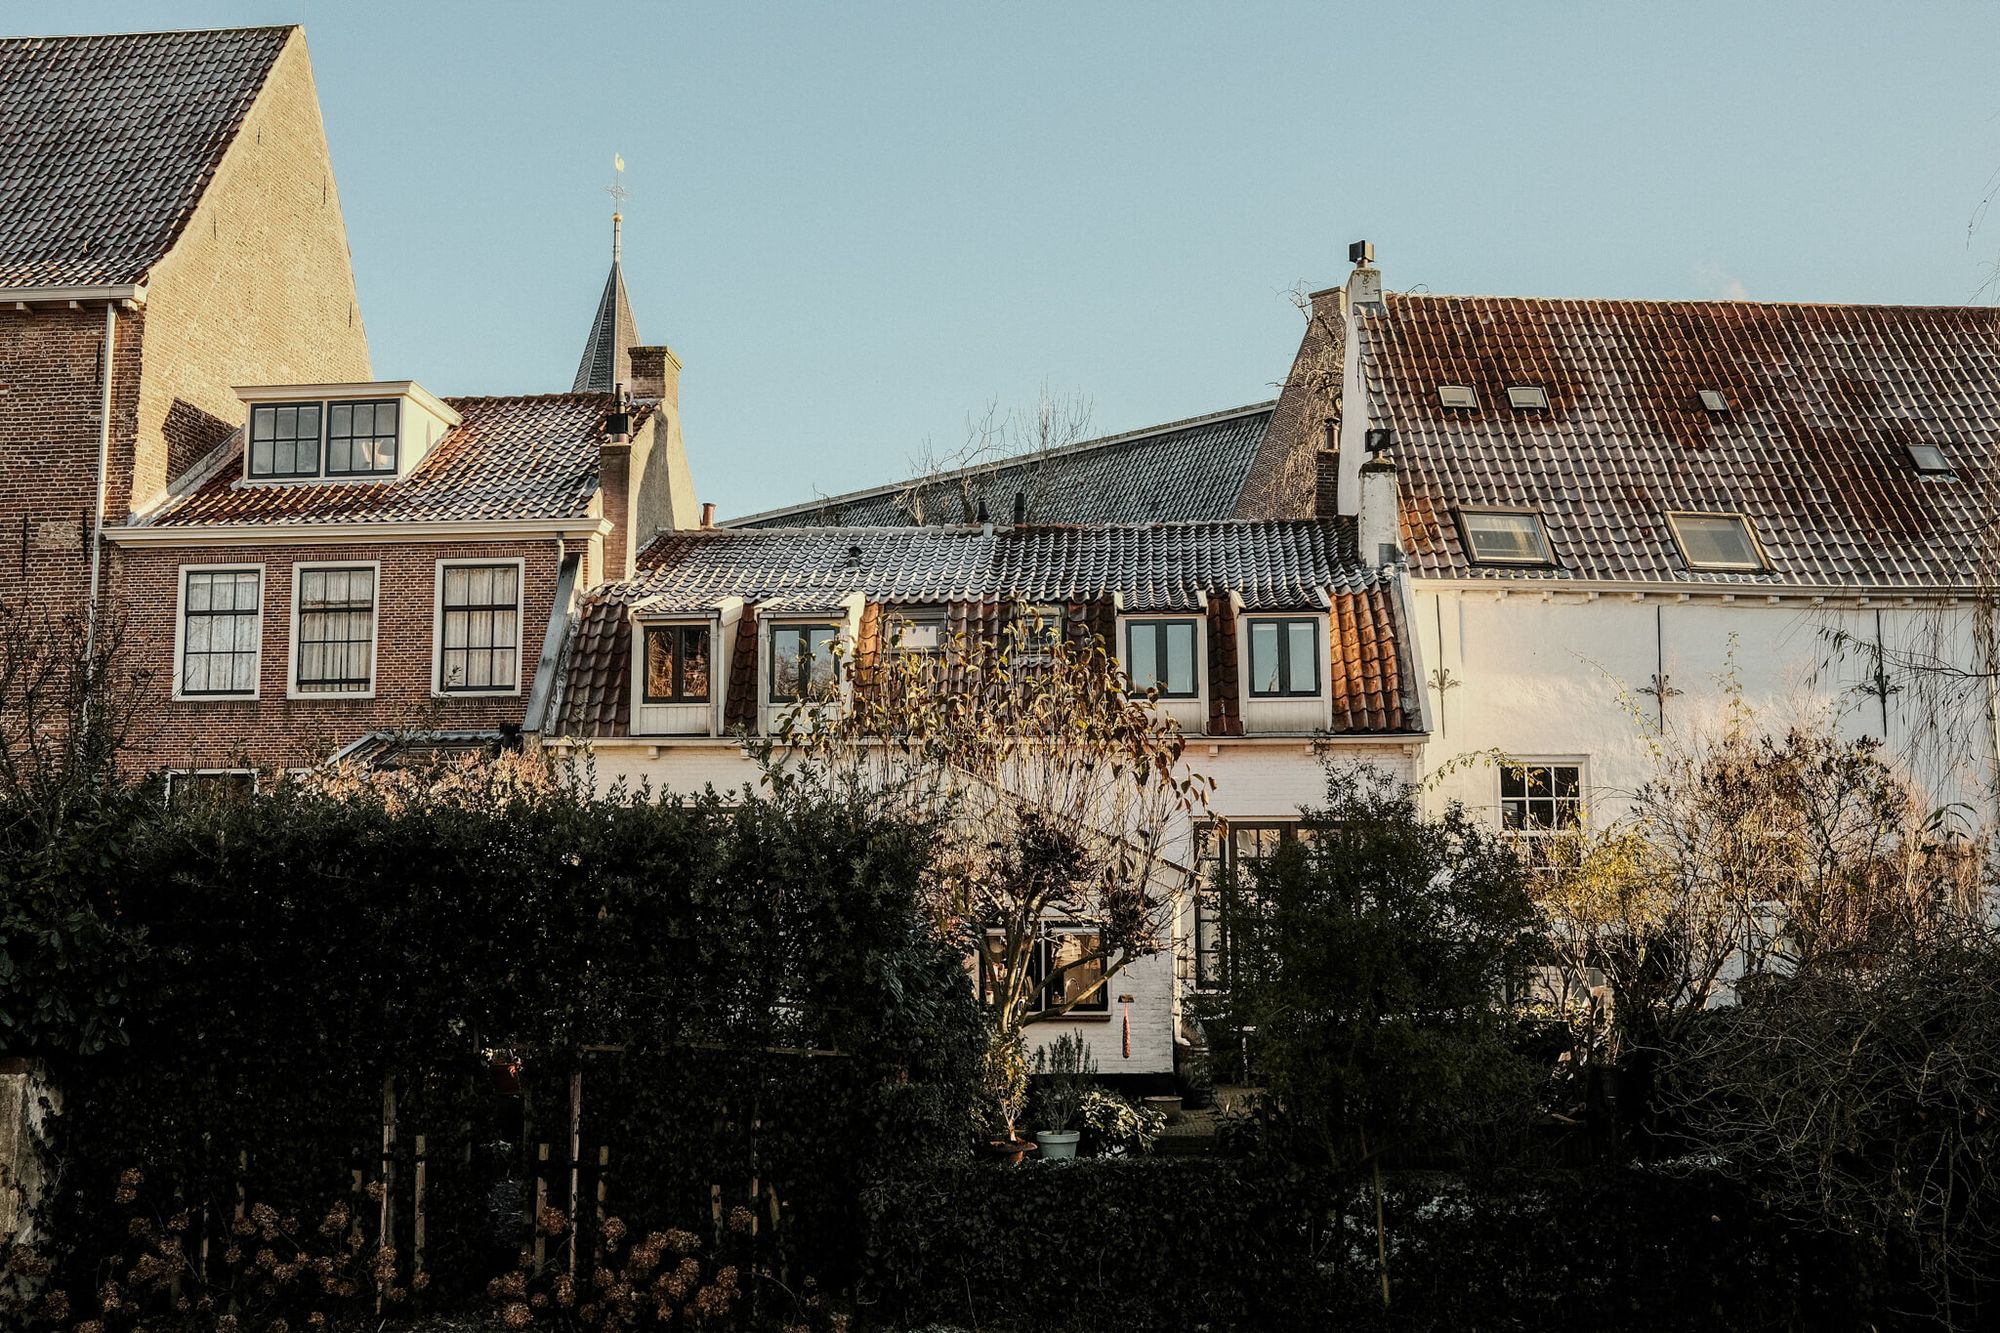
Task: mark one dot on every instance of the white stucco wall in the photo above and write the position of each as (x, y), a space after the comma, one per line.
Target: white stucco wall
(1563, 676)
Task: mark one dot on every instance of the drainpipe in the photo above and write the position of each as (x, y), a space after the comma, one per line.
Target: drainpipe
(103, 480)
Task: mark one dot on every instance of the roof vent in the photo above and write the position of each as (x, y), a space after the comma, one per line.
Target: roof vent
(1457, 395)
(1713, 400)
(1528, 395)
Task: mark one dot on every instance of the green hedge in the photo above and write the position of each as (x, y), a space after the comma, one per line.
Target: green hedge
(1107, 1246)
(300, 949)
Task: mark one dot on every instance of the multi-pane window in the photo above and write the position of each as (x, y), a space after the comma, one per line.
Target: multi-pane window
(915, 634)
(1063, 965)
(1036, 631)
(361, 438)
(221, 624)
(677, 664)
(1541, 798)
(479, 628)
(802, 663)
(284, 439)
(219, 786)
(1227, 887)
(1159, 654)
(336, 630)
(1284, 658)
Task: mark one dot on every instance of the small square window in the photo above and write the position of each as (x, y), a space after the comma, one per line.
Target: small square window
(803, 667)
(1504, 537)
(917, 634)
(1159, 655)
(1716, 541)
(1713, 400)
(1540, 798)
(1457, 395)
(1284, 658)
(1528, 395)
(284, 440)
(677, 664)
(1930, 458)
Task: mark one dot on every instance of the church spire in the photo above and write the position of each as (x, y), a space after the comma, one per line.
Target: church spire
(607, 350)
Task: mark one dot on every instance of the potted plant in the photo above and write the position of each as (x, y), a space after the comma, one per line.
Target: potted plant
(1006, 1082)
(1066, 1073)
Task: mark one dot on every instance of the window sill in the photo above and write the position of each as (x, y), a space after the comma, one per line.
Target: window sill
(217, 698)
(513, 692)
(1093, 1016)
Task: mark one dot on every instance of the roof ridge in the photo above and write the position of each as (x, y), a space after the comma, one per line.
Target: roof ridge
(1010, 460)
(147, 32)
(980, 529)
(1720, 302)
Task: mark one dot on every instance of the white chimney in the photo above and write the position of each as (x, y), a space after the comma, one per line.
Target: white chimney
(1378, 531)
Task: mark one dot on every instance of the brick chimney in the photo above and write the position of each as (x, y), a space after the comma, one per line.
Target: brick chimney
(616, 491)
(656, 373)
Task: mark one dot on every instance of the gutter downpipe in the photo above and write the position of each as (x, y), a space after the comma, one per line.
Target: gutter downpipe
(103, 480)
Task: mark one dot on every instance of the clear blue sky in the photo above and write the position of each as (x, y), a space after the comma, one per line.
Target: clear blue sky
(857, 222)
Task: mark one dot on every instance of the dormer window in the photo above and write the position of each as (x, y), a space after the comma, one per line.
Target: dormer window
(347, 432)
(1717, 541)
(284, 440)
(1457, 395)
(803, 666)
(1930, 458)
(361, 439)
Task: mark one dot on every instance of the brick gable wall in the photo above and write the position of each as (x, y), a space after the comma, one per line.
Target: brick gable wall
(273, 731)
(258, 290)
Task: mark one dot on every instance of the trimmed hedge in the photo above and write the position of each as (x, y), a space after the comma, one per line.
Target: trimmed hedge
(1107, 1246)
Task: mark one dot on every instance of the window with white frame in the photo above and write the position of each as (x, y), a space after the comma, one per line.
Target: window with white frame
(361, 438)
(284, 439)
(221, 630)
(1504, 537)
(677, 664)
(191, 786)
(479, 627)
(1063, 965)
(914, 632)
(1284, 657)
(803, 666)
(1538, 797)
(1717, 541)
(334, 642)
(1160, 655)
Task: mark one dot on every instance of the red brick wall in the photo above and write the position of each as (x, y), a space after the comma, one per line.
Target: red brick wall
(273, 731)
(51, 364)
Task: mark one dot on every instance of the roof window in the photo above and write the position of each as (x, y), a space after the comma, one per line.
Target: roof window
(1504, 537)
(1717, 541)
(1457, 395)
(1528, 395)
(1714, 401)
(1931, 458)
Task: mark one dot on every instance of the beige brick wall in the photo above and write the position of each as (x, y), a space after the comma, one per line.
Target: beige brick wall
(258, 290)
(273, 731)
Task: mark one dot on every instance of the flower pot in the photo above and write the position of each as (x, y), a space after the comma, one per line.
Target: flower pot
(1167, 1106)
(1058, 1145)
(1011, 1149)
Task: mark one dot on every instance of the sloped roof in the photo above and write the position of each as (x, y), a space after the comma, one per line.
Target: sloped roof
(1181, 472)
(1151, 567)
(607, 348)
(106, 144)
(533, 456)
(1823, 402)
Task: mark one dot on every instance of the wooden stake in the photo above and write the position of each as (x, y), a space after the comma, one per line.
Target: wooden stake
(387, 1234)
(541, 1203)
(575, 1164)
(417, 1212)
(603, 1161)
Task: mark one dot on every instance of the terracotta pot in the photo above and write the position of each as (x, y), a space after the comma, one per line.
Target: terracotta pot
(1011, 1149)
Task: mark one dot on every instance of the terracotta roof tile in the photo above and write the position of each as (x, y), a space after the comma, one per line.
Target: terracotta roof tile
(509, 458)
(977, 575)
(1823, 402)
(106, 144)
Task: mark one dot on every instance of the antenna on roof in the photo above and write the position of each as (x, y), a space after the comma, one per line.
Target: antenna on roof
(619, 194)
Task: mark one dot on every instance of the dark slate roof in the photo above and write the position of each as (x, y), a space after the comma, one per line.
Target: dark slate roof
(106, 144)
(526, 457)
(614, 332)
(1151, 567)
(1181, 472)
(1823, 403)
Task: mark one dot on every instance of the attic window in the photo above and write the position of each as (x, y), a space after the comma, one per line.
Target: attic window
(1713, 400)
(1457, 395)
(1717, 541)
(1930, 458)
(1528, 395)
(1504, 537)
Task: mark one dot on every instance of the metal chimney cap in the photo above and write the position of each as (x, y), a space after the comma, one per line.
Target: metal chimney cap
(1361, 253)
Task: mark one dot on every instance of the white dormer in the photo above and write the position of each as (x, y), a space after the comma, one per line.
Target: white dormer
(378, 431)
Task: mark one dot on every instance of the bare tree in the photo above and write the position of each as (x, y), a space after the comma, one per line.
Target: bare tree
(949, 486)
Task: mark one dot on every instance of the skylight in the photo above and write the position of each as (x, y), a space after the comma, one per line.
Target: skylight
(1713, 400)
(1930, 458)
(1457, 395)
(1527, 395)
(1504, 537)
(1717, 541)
